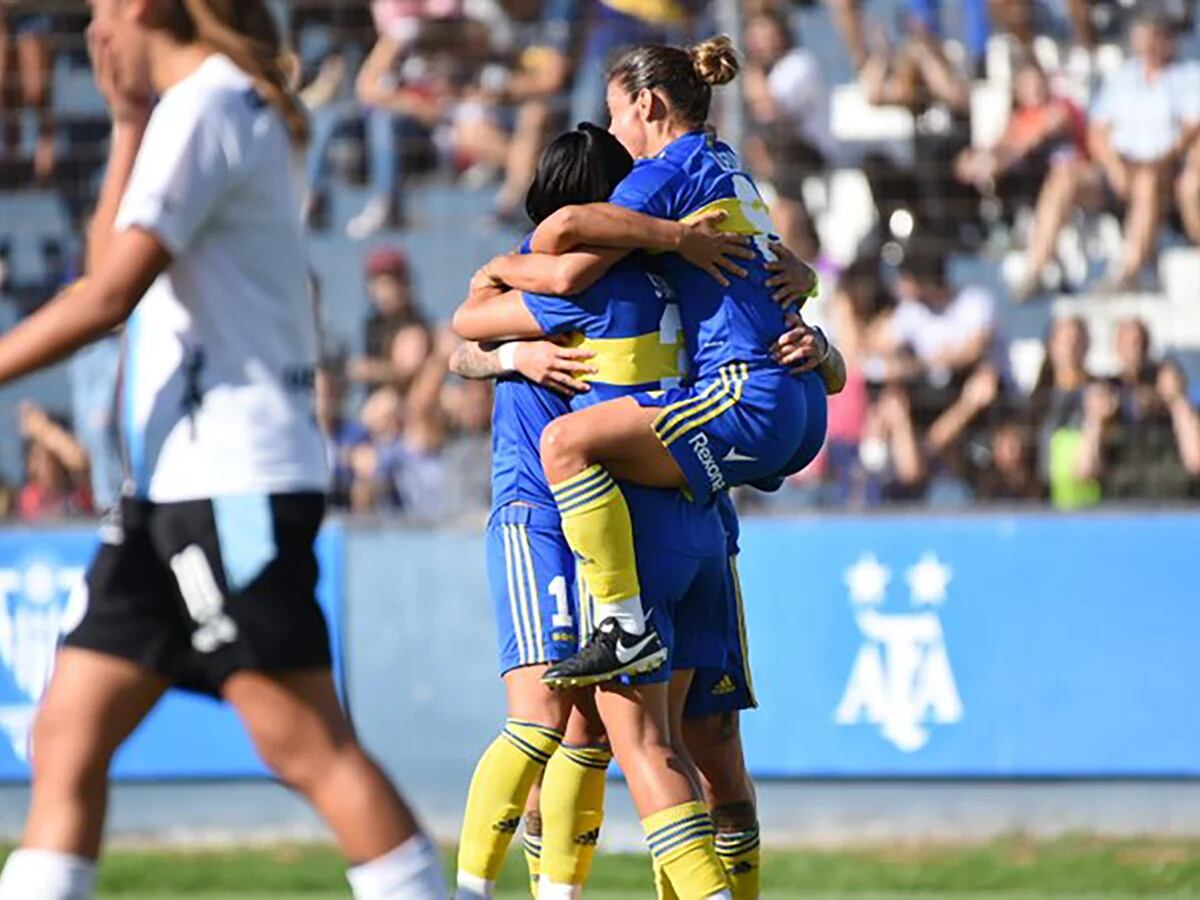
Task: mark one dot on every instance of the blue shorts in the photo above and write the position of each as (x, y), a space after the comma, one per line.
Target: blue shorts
(684, 596)
(749, 426)
(729, 687)
(531, 575)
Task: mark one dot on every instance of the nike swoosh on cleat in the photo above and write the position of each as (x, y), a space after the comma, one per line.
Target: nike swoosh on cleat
(626, 654)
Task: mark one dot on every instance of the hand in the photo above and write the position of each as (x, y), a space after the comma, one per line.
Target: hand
(483, 280)
(802, 348)
(796, 281)
(1171, 384)
(31, 418)
(445, 343)
(124, 106)
(552, 366)
(1100, 403)
(981, 389)
(711, 250)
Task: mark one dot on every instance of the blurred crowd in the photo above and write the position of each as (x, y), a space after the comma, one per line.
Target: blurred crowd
(1075, 181)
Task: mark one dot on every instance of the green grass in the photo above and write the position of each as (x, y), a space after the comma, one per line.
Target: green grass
(1012, 869)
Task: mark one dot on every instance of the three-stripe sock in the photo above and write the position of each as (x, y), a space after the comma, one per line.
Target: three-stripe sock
(740, 853)
(572, 804)
(597, 526)
(681, 840)
(500, 786)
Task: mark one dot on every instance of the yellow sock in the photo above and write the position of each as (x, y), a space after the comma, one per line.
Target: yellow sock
(740, 853)
(499, 788)
(596, 523)
(532, 844)
(572, 812)
(681, 843)
(662, 885)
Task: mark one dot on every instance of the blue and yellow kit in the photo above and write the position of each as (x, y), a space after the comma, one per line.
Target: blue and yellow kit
(742, 419)
(628, 319)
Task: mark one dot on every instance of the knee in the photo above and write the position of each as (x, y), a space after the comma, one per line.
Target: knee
(303, 765)
(715, 744)
(731, 818)
(561, 445)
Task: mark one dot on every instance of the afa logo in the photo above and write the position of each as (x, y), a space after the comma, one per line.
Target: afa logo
(40, 600)
(901, 680)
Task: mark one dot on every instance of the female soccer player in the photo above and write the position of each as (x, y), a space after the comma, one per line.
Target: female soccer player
(206, 576)
(629, 329)
(744, 419)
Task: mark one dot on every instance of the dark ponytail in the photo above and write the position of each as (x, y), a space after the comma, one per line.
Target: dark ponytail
(579, 167)
(685, 77)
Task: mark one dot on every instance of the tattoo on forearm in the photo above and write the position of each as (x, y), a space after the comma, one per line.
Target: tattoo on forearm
(472, 361)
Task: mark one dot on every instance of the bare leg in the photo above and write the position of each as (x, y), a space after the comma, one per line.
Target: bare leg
(638, 723)
(34, 62)
(529, 135)
(93, 703)
(1055, 202)
(618, 435)
(1188, 194)
(303, 735)
(1144, 219)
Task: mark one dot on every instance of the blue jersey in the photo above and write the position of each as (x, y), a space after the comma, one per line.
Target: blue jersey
(630, 321)
(693, 175)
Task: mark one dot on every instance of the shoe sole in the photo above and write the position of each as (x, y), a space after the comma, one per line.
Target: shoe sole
(640, 667)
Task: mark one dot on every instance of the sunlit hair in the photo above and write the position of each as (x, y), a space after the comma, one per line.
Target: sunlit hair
(685, 77)
(246, 32)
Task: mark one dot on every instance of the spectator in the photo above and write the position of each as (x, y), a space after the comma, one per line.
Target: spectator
(920, 78)
(937, 336)
(1057, 411)
(613, 26)
(57, 473)
(395, 338)
(410, 94)
(1039, 161)
(343, 437)
(371, 488)
(926, 14)
(521, 101)
(1145, 119)
(789, 107)
(26, 67)
(1141, 434)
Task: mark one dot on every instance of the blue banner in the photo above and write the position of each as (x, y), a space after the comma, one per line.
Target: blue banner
(1054, 646)
(185, 736)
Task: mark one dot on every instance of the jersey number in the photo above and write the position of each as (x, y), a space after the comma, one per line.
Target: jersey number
(558, 593)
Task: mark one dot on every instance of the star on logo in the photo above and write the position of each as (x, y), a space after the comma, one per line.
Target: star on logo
(927, 580)
(867, 580)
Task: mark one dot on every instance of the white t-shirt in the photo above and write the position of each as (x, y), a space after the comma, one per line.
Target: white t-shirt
(798, 89)
(930, 333)
(221, 352)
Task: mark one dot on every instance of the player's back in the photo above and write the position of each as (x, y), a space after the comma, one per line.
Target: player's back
(629, 319)
(694, 175)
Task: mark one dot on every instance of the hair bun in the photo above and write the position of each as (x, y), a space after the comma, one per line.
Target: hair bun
(715, 60)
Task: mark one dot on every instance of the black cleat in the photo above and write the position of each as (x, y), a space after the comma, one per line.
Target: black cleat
(610, 653)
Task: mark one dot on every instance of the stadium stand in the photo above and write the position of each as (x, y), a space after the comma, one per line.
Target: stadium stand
(921, 180)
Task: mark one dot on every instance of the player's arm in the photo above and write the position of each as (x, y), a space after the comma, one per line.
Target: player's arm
(491, 313)
(607, 225)
(563, 275)
(542, 362)
(88, 309)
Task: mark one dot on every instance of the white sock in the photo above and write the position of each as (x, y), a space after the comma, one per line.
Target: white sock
(720, 895)
(413, 871)
(548, 890)
(47, 875)
(472, 887)
(628, 613)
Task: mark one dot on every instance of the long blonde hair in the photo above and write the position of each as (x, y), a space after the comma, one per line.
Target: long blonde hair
(246, 32)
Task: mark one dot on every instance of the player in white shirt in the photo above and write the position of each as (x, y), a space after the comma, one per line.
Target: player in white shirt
(206, 578)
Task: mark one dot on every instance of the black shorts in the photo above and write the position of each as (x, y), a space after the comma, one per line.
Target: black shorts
(199, 590)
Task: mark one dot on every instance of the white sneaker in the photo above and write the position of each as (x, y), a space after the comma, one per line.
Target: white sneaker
(374, 218)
